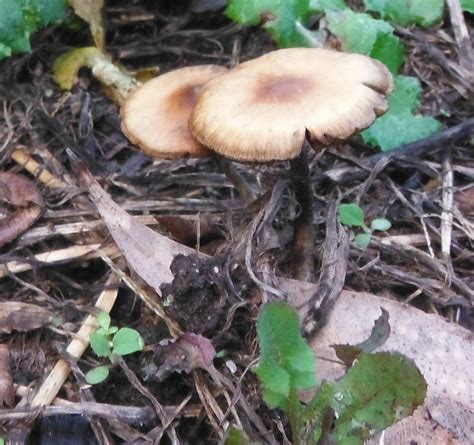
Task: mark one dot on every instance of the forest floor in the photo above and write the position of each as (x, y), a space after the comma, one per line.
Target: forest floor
(67, 259)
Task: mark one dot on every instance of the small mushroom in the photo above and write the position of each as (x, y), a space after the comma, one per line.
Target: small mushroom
(155, 116)
(264, 110)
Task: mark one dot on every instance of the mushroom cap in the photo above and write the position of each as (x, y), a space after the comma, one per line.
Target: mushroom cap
(262, 110)
(155, 116)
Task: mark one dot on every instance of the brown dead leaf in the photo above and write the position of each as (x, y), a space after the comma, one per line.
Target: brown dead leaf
(23, 317)
(190, 351)
(7, 391)
(147, 252)
(21, 204)
(465, 201)
(91, 12)
(442, 351)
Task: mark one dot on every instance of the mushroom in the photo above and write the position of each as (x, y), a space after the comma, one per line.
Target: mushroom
(155, 118)
(265, 109)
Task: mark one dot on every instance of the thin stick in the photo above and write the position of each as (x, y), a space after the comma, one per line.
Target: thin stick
(447, 213)
(461, 32)
(57, 256)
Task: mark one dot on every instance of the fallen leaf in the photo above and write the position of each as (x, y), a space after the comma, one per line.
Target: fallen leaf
(22, 317)
(91, 12)
(188, 352)
(22, 205)
(147, 252)
(7, 391)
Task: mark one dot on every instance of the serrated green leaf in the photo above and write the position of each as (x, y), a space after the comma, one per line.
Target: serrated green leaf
(376, 392)
(468, 5)
(287, 362)
(284, 20)
(408, 12)
(394, 130)
(100, 344)
(380, 224)
(351, 215)
(319, 6)
(234, 436)
(20, 18)
(361, 33)
(97, 375)
(362, 240)
(127, 341)
(103, 320)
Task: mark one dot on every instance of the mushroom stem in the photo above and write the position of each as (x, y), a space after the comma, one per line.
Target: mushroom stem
(237, 180)
(303, 238)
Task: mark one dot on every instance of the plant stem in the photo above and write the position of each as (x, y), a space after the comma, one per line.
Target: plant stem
(303, 238)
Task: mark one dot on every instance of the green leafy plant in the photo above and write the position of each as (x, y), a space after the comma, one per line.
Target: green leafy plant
(468, 5)
(352, 215)
(378, 390)
(288, 23)
(110, 341)
(20, 18)
(425, 13)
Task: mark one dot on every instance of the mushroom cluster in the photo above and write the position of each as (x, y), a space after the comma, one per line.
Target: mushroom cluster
(262, 110)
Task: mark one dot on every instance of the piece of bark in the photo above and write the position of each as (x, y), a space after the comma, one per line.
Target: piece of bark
(22, 205)
(22, 317)
(7, 391)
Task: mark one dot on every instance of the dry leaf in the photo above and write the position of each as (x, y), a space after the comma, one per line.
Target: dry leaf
(21, 204)
(147, 252)
(91, 12)
(7, 391)
(188, 352)
(23, 317)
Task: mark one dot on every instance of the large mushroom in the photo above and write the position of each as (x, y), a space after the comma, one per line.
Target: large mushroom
(266, 108)
(155, 118)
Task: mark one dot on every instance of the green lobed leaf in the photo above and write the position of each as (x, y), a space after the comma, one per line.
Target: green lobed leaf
(362, 240)
(408, 12)
(361, 33)
(351, 215)
(468, 5)
(284, 19)
(103, 320)
(20, 18)
(376, 392)
(319, 6)
(127, 341)
(97, 375)
(399, 125)
(100, 344)
(234, 436)
(394, 130)
(287, 362)
(380, 224)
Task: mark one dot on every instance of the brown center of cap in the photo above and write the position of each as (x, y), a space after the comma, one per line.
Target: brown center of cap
(282, 89)
(183, 98)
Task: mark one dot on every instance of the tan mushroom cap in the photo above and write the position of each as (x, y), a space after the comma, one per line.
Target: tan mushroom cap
(262, 110)
(155, 116)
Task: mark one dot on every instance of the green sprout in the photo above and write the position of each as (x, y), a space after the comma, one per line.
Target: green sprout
(351, 215)
(111, 341)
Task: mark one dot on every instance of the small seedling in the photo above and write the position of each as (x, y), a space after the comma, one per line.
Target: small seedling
(377, 391)
(111, 341)
(352, 215)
